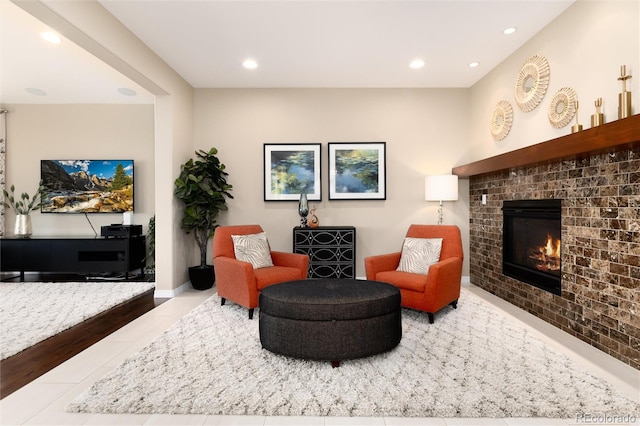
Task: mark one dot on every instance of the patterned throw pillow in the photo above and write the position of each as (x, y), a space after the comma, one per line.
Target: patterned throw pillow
(419, 253)
(253, 248)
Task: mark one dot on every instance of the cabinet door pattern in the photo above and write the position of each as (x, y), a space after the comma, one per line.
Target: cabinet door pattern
(331, 250)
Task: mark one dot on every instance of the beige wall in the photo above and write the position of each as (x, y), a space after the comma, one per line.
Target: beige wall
(585, 47)
(425, 130)
(90, 25)
(66, 132)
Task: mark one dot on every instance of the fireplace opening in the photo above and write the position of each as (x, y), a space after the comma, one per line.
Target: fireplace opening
(531, 245)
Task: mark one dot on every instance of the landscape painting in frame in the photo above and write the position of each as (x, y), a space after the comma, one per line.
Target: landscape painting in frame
(290, 170)
(87, 186)
(357, 171)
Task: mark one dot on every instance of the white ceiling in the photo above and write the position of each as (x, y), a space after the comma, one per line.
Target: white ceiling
(66, 72)
(324, 43)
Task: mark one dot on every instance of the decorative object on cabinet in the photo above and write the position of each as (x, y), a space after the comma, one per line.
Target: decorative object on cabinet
(532, 83)
(303, 210)
(598, 118)
(576, 127)
(23, 227)
(501, 120)
(331, 250)
(291, 169)
(202, 187)
(624, 97)
(562, 107)
(23, 207)
(313, 220)
(357, 171)
(441, 188)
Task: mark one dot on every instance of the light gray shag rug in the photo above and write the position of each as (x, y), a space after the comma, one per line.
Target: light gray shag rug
(34, 311)
(472, 362)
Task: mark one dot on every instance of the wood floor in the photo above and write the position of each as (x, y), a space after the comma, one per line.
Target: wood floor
(21, 368)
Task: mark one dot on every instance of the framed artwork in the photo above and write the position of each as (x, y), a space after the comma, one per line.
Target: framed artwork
(290, 170)
(357, 171)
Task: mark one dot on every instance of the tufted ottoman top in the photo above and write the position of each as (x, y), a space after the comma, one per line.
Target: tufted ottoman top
(329, 299)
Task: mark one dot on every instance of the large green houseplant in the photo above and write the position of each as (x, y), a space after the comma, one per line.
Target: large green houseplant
(202, 187)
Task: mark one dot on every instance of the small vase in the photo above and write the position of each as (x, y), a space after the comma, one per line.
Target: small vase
(313, 219)
(303, 210)
(23, 226)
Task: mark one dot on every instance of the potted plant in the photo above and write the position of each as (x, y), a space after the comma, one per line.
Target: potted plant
(202, 187)
(22, 207)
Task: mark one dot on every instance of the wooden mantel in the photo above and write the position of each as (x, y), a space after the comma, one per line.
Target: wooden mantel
(617, 135)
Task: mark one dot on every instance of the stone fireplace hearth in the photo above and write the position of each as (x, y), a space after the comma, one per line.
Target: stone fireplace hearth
(600, 298)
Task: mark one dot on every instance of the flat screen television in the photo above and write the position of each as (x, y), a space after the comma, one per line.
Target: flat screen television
(87, 186)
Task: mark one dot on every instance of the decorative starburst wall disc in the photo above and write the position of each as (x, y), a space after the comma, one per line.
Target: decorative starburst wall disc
(532, 83)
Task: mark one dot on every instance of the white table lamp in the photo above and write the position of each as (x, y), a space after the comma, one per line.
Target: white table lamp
(441, 188)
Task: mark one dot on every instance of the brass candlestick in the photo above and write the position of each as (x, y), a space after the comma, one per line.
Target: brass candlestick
(576, 127)
(597, 118)
(624, 98)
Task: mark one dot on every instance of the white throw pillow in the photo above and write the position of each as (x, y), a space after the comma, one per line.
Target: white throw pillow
(419, 253)
(253, 248)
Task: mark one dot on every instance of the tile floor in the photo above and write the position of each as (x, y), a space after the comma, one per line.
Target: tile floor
(42, 402)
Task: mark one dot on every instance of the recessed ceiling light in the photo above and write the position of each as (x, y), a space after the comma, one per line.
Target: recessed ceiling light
(509, 31)
(416, 63)
(36, 91)
(51, 37)
(474, 64)
(250, 64)
(126, 91)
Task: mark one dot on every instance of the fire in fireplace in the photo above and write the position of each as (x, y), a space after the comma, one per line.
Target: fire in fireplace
(531, 246)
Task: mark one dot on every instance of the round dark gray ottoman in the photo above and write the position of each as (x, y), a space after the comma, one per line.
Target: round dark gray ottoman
(330, 319)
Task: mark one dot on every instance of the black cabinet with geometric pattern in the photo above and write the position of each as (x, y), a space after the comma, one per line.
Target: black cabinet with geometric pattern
(331, 250)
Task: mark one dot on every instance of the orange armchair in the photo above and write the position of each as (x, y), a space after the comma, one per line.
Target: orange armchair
(238, 281)
(425, 292)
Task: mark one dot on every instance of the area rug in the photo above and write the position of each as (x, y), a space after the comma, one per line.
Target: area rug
(472, 362)
(34, 311)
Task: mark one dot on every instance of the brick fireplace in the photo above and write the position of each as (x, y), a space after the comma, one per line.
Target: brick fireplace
(600, 298)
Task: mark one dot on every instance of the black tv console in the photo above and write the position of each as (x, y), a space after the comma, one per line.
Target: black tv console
(78, 254)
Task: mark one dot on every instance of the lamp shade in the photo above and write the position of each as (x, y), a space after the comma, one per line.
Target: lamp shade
(441, 188)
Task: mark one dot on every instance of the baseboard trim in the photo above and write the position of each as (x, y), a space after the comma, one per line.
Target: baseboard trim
(168, 294)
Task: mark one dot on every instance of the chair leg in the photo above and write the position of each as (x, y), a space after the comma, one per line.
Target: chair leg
(222, 301)
(454, 304)
(430, 317)
(251, 313)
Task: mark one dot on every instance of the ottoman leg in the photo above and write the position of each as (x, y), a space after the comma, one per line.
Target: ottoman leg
(335, 364)
(251, 313)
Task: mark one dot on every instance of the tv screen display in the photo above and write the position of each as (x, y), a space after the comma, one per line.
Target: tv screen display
(87, 186)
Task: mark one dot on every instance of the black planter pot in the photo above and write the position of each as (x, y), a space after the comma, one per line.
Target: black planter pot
(202, 277)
